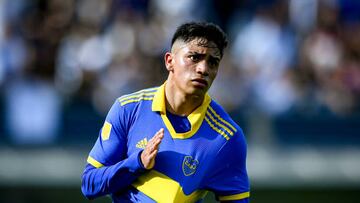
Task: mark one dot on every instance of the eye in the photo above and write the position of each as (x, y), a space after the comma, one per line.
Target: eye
(195, 57)
(213, 62)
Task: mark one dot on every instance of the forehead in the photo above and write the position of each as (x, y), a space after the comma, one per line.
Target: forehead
(197, 45)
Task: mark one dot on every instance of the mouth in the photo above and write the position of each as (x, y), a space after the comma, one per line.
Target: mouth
(199, 82)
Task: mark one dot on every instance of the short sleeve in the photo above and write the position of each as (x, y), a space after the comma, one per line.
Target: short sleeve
(111, 143)
(228, 178)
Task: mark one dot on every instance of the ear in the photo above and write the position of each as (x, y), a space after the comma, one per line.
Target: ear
(169, 60)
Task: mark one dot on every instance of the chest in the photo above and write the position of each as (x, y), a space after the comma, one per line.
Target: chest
(185, 161)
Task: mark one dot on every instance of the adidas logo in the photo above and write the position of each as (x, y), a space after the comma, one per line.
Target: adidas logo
(142, 143)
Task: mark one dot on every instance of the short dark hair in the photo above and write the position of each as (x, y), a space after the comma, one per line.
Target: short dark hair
(209, 31)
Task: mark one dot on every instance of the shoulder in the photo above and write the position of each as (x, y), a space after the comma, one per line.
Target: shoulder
(129, 100)
(134, 102)
(127, 107)
(221, 120)
(235, 141)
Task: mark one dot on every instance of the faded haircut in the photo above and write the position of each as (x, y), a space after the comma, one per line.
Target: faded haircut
(203, 30)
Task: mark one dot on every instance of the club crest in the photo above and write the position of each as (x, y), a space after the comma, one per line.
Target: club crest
(189, 165)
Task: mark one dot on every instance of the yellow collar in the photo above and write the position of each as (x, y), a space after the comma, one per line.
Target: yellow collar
(158, 103)
(195, 118)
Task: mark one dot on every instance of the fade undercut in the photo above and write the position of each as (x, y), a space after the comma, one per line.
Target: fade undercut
(201, 30)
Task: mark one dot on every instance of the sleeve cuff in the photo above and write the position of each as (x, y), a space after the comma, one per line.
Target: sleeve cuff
(139, 160)
(134, 163)
(94, 162)
(235, 196)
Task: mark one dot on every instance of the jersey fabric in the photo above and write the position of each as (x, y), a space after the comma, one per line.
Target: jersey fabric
(211, 156)
(180, 123)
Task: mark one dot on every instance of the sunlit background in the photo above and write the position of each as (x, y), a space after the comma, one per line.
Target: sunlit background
(290, 78)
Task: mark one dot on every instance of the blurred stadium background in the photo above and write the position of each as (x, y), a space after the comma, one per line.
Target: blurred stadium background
(290, 78)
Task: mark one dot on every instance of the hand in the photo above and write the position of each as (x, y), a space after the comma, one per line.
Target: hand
(149, 153)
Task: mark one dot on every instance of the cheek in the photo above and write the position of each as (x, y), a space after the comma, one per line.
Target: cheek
(184, 63)
(213, 74)
(184, 68)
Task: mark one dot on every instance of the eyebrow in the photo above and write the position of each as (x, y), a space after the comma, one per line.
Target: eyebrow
(217, 58)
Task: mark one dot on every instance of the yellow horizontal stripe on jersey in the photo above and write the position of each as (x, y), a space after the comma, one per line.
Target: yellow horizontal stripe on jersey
(235, 197)
(93, 162)
(149, 91)
(219, 124)
(135, 100)
(163, 189)
(221, 119)
(217, 129)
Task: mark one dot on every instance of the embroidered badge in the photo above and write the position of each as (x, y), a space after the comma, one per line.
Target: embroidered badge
(142, 143)
(189, 165)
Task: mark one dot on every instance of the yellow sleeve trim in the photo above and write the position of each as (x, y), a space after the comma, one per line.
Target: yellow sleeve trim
(93, 162)
(235, 197)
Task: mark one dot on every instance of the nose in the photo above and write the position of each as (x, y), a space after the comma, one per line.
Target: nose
(202, 68)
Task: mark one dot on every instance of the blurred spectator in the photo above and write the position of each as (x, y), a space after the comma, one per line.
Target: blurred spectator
(13, 54)
(303, 15)
(286, 57)
(68, 75)
(33, 110)
(263, 51)
(13, 51)
(229, 80)
(323, 53)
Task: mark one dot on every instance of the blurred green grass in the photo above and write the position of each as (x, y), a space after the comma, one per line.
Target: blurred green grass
(28, 194)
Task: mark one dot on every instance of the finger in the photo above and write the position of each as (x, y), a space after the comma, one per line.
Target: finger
(152, 142)
(161, 130)
(159, 133)
(157, 142)
(146, 152)
(153, 146)
(150, 146)
(150, 155)
(153, 154)
(155, 136)
(159, 136)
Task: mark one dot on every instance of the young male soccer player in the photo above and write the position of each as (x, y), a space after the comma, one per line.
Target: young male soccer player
(172, 143)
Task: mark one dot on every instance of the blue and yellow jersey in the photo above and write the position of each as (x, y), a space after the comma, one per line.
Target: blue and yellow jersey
(211, 156)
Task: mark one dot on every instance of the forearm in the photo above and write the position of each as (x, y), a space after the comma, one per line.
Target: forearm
(109, 179)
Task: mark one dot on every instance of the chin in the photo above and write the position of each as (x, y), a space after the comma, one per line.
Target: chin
(197, 91)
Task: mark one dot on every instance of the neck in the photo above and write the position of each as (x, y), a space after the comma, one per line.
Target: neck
(179, 103)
